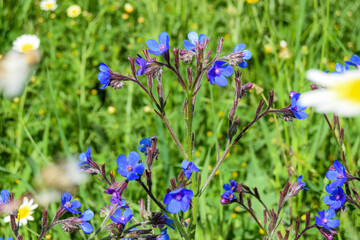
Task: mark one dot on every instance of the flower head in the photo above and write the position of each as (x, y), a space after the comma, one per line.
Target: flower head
(246, 54)
(163, 235)
(130, 168)
(188, 168)
(144, 143)
(354, 61)
(296, 107)
(340, 94)
(4, 200)
(73, 11)
(155, 47)
(142, 63)
(194, 39)
(25, 211)
(121, 218)
(228, 196)
(116, 199)
(296, 187)
(48, 5)
(104, 75)
(340, 68)
(26, 43)
(85, 217)
(336, 199)
(230, 187)
(84, 157)
(326, 221)
(70, 206)
(218, 72)
(338, 174)
(178, 200)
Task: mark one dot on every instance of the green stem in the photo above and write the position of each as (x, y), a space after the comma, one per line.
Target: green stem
(325, 32)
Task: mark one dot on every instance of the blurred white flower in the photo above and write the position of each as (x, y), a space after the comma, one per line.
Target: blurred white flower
(15, 70)
(48, 5)
(26, 43)
(24, 212)
(73, 11)
(340, 93)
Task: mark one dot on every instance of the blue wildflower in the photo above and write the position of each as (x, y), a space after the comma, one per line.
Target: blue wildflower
(340, 68)
(130, 168)
(163, 235)
(5, 194)
(326, 221)
(230, 187)
(336, 199)
(300, 183)
(188, 168)
(194, 38)
(218, 72)
(338, 174)
(84, 157)
(144, 143)
(228, 195)
(246, 54)
(142, 63)
(121, 218)
(178, 200)
(354, 61)
(70, 206)
(296, 108)
(85, 217)
(104, 75)
(155, 47)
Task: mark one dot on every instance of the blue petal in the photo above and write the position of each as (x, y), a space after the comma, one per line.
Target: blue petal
(87, 215)
(185, 203)
(66, 197)
(167, 198)
(193, 37)
(4, 195)
(174, 206)
(300, 115)
(185, 164)
(330, 213)
(334, 223)
(227, 70)
(164, 38)
(243, 64)
(104, 86)
(221, 81)
(188, 45)
(331, 175)
(327, 200)
(103, 67)
(118, 213)
(132, 176)
(247, 55)
(153, 45)
(139, 168)
(86, 227)
(202, 38)
(227, 187)
(239, 47)
(188, 193)
(128, 213)
(133, 158)
(121, 161)
(355, 59)
(338, 166)
(339, 67)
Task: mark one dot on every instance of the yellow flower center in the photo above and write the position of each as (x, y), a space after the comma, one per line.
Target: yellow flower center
(349, 90)
(49, 6)
(74, 12)
(27, 47)
(23, 213)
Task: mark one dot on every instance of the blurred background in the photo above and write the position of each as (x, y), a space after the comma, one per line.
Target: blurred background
(62, 111)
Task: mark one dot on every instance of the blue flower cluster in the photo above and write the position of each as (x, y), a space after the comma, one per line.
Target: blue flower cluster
(354, 61)
(69, 206)
(295, 107)
(336, 199)
(228, 196)
(217, 74)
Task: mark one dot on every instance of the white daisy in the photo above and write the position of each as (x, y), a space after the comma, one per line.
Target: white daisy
(48, 5)
(24, 212)
(340, 93)
(26, 43)
(73, 11)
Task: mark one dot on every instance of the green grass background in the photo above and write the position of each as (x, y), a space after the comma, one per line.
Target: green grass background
(59, 114)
